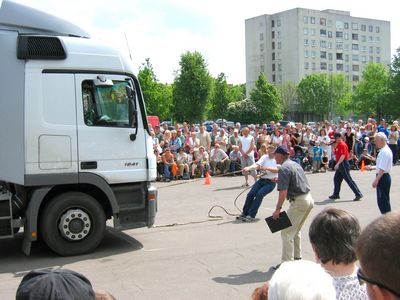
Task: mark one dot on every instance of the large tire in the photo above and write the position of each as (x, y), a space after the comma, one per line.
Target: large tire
(54, 213)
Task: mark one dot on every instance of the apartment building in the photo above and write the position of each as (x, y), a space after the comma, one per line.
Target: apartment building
(289, 45)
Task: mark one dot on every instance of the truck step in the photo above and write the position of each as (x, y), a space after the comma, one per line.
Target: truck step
(5, 209)
(6, 230)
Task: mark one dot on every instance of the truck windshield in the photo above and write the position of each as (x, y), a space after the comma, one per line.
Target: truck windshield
(105, 105)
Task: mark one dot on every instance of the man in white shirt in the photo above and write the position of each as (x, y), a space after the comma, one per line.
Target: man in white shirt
(246, 148)
(219, 159)
(383, 181)
(262, 187)
(222, 139)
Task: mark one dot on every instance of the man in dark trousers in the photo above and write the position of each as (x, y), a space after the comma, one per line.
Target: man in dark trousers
(342, 169)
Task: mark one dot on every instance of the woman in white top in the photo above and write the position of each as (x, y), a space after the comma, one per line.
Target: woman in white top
(325, 142)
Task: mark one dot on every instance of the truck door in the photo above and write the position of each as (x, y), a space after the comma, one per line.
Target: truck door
(111, 137)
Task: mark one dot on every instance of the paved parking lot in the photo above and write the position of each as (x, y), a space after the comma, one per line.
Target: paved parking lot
(223, 259)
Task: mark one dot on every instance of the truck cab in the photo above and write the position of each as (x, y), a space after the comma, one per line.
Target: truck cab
(76, 148)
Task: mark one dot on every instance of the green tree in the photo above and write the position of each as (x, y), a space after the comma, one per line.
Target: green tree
(243, 111)
(372, 94)
(314, 96)
(288, 92)
(266, 99)
(157, 96)
(191, 88)
(340, 94)
(395, 84)
(220, 97)
(237, 92)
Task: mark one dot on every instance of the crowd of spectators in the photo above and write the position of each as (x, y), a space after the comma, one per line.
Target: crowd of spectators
(189, 151)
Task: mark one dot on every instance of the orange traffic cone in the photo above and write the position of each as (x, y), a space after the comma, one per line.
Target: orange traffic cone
(207, 179)
(362, 169)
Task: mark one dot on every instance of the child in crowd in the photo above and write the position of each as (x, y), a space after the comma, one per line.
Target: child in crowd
(325, 161)
(317, 150)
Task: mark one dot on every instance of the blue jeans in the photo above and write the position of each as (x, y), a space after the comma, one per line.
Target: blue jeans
(254, 198)
(167, 172)
(343, 172)
(382, 193)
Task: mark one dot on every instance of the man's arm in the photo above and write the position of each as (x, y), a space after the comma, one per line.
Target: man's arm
(251, 148)
(378, 177)
(341, 159)
(281, 198)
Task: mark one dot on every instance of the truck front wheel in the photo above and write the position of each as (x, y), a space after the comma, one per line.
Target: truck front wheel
(72, 223)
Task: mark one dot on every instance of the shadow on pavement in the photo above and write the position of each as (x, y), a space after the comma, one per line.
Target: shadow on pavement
(330, 201)
(246, 278)
(12, 260)
(229, 188)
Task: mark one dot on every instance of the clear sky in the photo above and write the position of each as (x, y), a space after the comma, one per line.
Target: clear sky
(164, 29)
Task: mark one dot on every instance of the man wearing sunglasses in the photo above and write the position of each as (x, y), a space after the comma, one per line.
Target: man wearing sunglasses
(378, 252)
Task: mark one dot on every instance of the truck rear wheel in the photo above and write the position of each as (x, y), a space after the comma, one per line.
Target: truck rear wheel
(72, 223)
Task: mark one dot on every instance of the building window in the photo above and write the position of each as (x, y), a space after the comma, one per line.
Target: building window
(377, 39)
(313, 54)
(346, 68)
(305, 31)
(322, 21)
(363, 59)
(279, 45)
(305, 20)
(330, 34)
(378, 50)
(356, 78)
(313, 43)
(356, 68)
(330, 56)
(312, 31)
(262, 68)
(323, 54)
(262, 47)
(306, 65)
(355, 57)
(312, 20)
(378, 59)
(273, 45)
(346, 58)
(371, 50)
(377, 29)
(273, 77)
(346, 47)
(273, 34)
(322, 32)
(278, 22)
(371, 58)
(322, 44)
(273, 67)
(273, 55)
(262, 58)
(279, 55)
(370, 38)
(339, 34)
(370, 28)
(279, 68)
(323, 66)
(354, 47)
(330, 45)
(262, 36)
(339, 56)
(339, 45)
(363, 48)
(279, 34)
(354, 26)
(279, 78)
(306, 42)
(363, 38)
(306, 54)
(339, 25)
(346, 25)
(330, 23)
(346, 36)
(272, 23)
(363, 27)
(330, 67)
(354, 37)
(339, 67)
(313, 65)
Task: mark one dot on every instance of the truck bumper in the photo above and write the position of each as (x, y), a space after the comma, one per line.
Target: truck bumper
(152, 198)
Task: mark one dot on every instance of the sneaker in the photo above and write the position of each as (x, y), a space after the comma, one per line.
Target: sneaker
(248, 219)
(358, 198)
(240, 217)
(333, 197)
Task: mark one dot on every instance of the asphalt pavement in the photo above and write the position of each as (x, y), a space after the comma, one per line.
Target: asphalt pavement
(188, 255)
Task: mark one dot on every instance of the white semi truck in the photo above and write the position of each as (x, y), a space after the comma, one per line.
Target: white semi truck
(75, 148)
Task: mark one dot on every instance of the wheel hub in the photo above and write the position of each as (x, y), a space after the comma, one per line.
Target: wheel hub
(75, 225)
